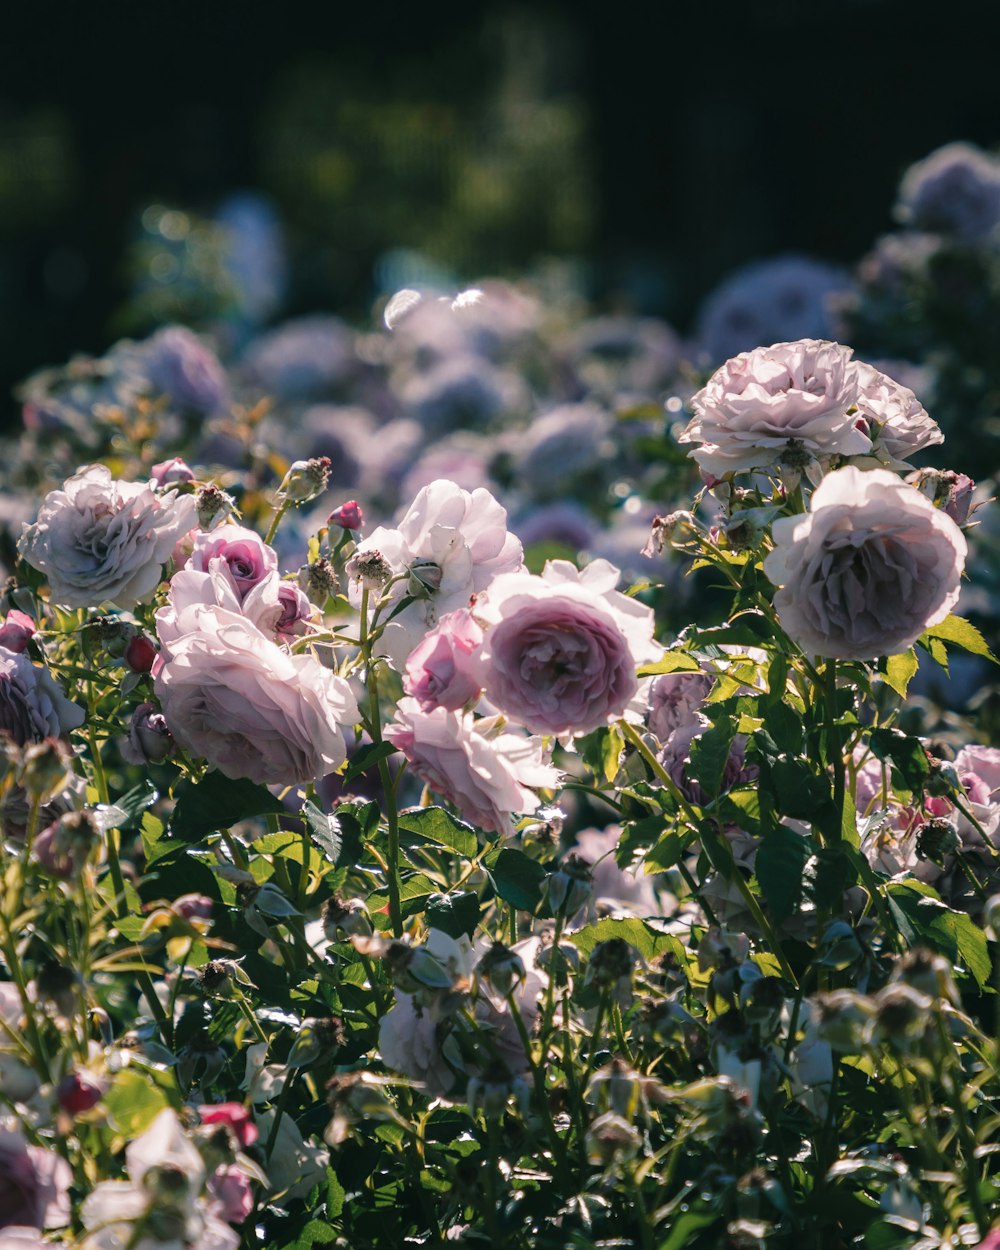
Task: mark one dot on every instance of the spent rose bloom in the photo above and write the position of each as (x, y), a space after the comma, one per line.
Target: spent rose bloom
(34, 1184)
(445, 670)
(867, 569)
(234, 697)
(32, 706)
(786, 404)
(99, 540)
(488, 776)
(449, 546)
(562, 648)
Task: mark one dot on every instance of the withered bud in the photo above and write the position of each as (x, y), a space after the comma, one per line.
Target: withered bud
(501, 969)
(610, 962)
(306, 479)
(318, 581)
(370, 568)
(345, 917)
(213, 502)
(936, 839)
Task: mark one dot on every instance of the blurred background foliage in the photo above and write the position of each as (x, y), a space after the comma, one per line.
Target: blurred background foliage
(649, 149)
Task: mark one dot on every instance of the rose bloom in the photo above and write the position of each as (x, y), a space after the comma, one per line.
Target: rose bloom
(786, 404)
(32, 706)
(867, 569)
(562, 649)
(897, 421)
(487, 778)
(34, 1184)
(246, 705)
(99, 540)
(277, 608)
(248, 558)
(451, 543)
(445, 670)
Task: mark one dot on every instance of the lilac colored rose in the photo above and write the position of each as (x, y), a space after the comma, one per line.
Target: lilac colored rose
(955, 190)
(445, 670)
(676, 756)
(34, 1184)
(232, 696)
(17, 631)
(104, 541)
(149, 739)
(786, 404)
(230, 1194)
(247, 556)
(562, 649)
(168, 472)
(867, 569)
(32, 706)
(489, 779)
(179, 364)
(675, 700)
(896, 420)
(297, 613)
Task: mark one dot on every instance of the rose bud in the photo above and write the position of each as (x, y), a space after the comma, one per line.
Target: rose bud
(149, 739)
(16, 631)
(306, 479)
(169, 472)
(77, 1092)
(348, 516)
(140, 653)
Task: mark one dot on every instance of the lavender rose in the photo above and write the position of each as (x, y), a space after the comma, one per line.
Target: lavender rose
(247, 556)
(562, 649)
(489, 778)
(34, 1184)
(896, 419)
(445, 670)
(32, 706)
(99, 540)
(868, 569)
(232, 696)
(787, 404)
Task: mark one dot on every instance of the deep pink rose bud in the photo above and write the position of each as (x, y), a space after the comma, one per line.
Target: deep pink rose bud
(168, 472)
(234, 1116)
(445, 670)
(140, 654)
(296, 610)
(348, 516)
(77, 1093)
(16, 631)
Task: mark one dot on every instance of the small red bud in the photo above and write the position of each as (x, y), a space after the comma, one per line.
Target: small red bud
(348, 516)
(140, 654)
(76, 1093)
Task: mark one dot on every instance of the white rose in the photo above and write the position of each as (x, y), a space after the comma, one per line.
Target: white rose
(867, 569)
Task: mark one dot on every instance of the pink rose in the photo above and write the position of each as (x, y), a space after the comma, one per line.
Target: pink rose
(787, 404)
(16, 631)
(562, 649)
(34, 1184)
(867, 569)
(230, 1194)
(248, 558)
(675, 700)
(235, 698)
(445, 670)
(168, 472)
(489, 779)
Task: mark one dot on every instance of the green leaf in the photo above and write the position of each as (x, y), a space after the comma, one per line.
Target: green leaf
(335, 1195)
(635, 932)
(456, 913)
(135, 801)
(684, 1228)
(324, 830)
(953, 933)
(672, 662)
(316, 1232)
(367, 757)
(742, 807)
(133, 1102)
(899, 669)
(601, 751)
(907, 754)
(217, 802)
(710, 755)
(154, 845)
(434, 824)
(961, 633)
(667, 851)
(516, 878)
(779, 868)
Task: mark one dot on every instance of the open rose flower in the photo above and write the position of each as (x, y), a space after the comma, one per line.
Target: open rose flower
(445, 670)
(247, 557)
(450, 545)
(99, 540)
(867, 569)
(789, 404)
(32, 706)
(562, 648)
(232, 696)
(490, 778)
(897, 421)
